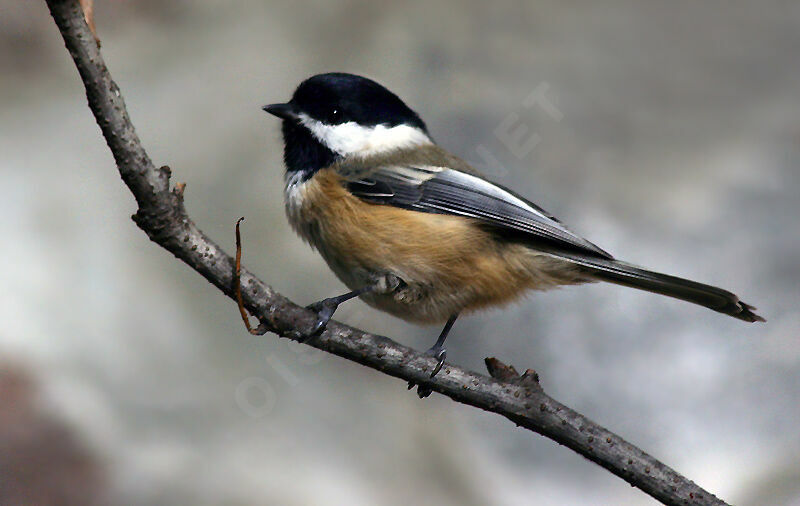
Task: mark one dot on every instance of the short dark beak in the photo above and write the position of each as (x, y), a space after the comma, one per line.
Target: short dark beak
(284, 111)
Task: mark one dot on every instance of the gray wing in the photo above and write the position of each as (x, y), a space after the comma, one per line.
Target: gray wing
(448, 191)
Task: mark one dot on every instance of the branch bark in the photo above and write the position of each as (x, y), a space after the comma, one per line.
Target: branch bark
(162, 216)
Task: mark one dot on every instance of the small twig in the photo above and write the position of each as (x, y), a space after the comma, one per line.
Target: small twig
(237, 286)
(507, 373)
(88, 14)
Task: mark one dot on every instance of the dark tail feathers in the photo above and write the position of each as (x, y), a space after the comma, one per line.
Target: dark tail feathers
(624, 274)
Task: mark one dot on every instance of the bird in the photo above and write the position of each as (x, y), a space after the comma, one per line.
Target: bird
(416, 231)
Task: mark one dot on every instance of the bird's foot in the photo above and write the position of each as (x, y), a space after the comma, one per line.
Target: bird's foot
(440, 354)
(324, 309)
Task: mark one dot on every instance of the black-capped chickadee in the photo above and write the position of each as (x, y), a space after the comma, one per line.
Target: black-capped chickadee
(417, 232)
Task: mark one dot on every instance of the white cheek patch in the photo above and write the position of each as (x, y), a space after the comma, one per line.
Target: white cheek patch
(350, 138)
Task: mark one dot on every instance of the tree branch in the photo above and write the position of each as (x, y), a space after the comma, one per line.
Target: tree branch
(162, 216)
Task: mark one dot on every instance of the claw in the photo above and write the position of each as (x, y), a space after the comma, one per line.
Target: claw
(439, 354)
(423, 390)
(324, 309)
(318, 328)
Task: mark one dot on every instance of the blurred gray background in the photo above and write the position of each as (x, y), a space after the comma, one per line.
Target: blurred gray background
(670, 137)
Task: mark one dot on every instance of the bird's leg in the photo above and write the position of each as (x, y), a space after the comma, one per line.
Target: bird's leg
(437, 351)
(326, 307)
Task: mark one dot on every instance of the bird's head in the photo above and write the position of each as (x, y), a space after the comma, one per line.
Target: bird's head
(339, 115)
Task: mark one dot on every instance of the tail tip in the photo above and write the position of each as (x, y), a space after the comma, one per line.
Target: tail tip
(747, 313)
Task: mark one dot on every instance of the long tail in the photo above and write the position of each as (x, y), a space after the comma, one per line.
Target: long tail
(624, 274)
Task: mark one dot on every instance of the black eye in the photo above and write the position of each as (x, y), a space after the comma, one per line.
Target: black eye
(336, 115)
